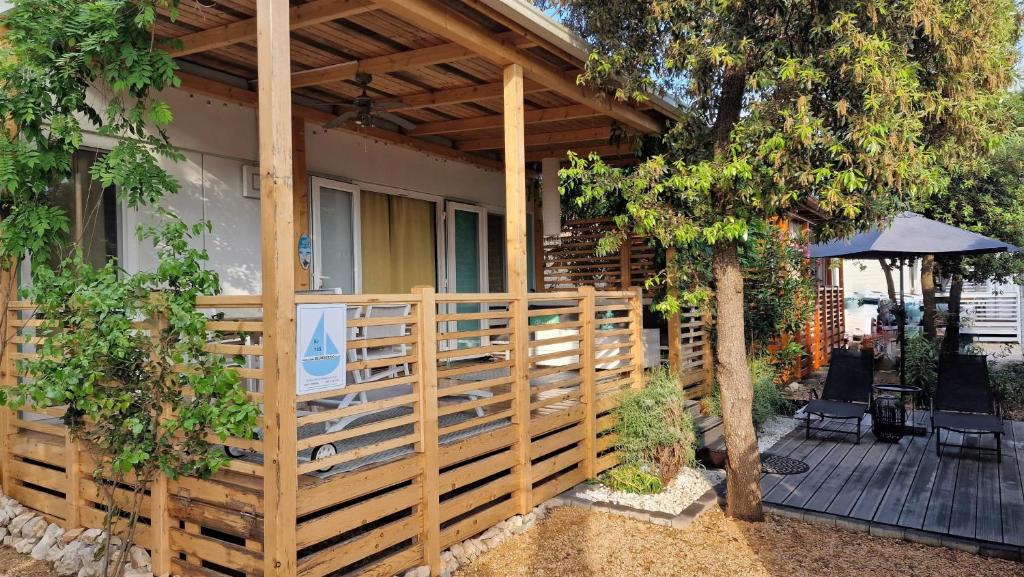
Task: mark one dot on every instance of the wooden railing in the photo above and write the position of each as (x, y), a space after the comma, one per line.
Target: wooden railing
(461, 422)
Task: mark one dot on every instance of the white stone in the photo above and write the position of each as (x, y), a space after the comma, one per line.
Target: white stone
(72, 535)
(42, 548)
(18, 522)
(421, 571)
(25, 545)
(139, 573)
(459, 552)
(54, 531)
(9, 540)
(34, 528)
(91, 535)
(91, 569)
(55, 552)
(493, 541)
(679, 494)
(139, 558)
(70, 560)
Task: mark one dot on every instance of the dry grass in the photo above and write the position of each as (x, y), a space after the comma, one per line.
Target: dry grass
(573, 542)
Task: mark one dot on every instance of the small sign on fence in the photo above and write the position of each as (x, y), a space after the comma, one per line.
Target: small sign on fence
(320, 348)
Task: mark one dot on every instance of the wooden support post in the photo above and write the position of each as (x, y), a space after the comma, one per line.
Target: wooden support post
(301, 197)
(7, 379)
(708, 355)
(280, 480)
(428, 437)
(538, 247)
(515, 248)
(675, 321)
(588, 368)
(636, 312)
(159, 514)
(73, 473)
(626, 262)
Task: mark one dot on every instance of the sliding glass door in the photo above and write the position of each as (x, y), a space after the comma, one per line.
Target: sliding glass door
(336, 254)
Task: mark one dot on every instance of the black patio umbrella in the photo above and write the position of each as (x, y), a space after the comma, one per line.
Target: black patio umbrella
(910, 235)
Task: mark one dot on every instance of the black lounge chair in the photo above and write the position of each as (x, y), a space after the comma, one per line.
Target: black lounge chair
(846, 394)
(964, 402)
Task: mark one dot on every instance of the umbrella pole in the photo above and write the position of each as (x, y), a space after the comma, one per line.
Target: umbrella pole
(901, 319)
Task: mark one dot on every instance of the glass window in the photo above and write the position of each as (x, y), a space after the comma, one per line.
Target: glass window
(92, 211)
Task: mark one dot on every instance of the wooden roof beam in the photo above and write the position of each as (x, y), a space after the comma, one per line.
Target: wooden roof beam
(562, 152)
(233, 94)
(386, 63)
(540, 138)
(301, 16)
(459, 95)
(441, 20)
(572, 112)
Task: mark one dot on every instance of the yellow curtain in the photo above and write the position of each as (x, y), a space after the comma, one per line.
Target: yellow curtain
(399, 243)
(377, 259)
(413, 245)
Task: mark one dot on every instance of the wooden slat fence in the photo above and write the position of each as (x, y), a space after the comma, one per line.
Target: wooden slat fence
(571, 259)
(439, 434)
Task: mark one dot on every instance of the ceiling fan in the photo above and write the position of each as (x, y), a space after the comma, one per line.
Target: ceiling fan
(363, 111)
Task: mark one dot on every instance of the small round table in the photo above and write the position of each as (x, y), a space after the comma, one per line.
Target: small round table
(889, 411)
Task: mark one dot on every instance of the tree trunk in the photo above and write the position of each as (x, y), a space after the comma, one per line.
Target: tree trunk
(928, 296)
(743, 467)
(951, 342)
(890, 286)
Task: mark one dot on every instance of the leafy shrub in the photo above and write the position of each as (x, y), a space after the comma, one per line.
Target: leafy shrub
(1008, 381)
(920, 363)
(768, 400)
(631, 479)
(654, 430)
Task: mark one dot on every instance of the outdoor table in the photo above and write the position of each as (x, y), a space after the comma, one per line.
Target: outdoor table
(889, 411)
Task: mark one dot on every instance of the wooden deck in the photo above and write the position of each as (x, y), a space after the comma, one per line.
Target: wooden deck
(963, 498)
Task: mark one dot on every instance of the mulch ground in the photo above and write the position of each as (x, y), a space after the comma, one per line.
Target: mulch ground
(573, 542)
(14, 564)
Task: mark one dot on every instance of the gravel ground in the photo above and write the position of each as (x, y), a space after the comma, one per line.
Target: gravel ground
(572, 542)
(772, 430)
(688, 485)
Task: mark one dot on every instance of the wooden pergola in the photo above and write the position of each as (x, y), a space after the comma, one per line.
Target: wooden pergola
(477, 81)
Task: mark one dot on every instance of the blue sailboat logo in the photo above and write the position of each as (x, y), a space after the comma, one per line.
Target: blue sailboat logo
(321, 358)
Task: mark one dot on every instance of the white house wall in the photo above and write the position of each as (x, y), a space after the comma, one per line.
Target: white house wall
(218, 138)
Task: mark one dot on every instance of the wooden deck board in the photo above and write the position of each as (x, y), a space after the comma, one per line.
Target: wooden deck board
(963, 516)
(963, 493)
(817, 476)
(891, 505)
(988, 516)
(878, 484)
(916, 504)
(836, 480)
(940, 504)
(1011, 490)
(858, 480)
